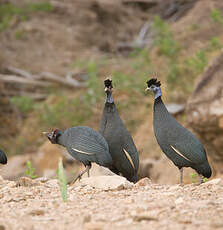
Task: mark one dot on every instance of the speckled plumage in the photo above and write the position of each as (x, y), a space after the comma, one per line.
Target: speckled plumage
(178, 143)
(119, 141)
(3, 158)
(87, 140)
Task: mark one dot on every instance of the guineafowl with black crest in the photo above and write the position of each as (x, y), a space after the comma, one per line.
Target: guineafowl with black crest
(125, 159)
(3, 158)
(84, 144)
(178, 143)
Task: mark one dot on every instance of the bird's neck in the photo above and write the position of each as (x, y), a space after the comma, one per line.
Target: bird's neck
(109, 98)
(158, 100)
(61, 140)
(160, 111)
(158, 93)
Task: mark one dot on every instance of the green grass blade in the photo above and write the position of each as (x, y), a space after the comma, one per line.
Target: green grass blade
(62, 180)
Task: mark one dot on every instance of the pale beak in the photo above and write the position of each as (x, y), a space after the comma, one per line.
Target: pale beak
(48, 134)
(45, 133)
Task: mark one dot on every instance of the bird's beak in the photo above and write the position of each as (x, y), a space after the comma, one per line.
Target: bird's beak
(47, 134)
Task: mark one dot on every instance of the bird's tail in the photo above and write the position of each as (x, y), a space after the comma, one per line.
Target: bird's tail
(204, 169)
(3, 158)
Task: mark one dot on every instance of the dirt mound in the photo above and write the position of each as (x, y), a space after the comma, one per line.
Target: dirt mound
(205, 113)
(36, 204)
(53, 40)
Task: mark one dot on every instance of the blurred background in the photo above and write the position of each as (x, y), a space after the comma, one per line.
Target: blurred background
(55, 55)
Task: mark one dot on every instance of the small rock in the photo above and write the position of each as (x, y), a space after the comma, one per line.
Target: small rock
(52, 183)
(143, 182)
(180, 200)
(175, 108)
(107, 182)
(149, 216)
(37, 212)
(42, 179)
(87, 219)
(11, 184)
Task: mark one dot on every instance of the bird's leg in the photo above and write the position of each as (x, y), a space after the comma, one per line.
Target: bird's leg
(181, 176)
(201, 178)
(88, 167)
(88, 172)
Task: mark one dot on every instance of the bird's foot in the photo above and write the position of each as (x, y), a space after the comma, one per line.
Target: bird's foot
(76, 178)
(201, 179)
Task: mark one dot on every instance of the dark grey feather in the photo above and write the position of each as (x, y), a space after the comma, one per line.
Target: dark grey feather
(169, 133)
(3, 158)
(118, 138)
(86, 145)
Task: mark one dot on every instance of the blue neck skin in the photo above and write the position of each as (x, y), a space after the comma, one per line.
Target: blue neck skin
(157, 93)
(109, 98)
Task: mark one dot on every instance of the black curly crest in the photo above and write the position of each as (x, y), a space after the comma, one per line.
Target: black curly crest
(108, 83)
(153, 81)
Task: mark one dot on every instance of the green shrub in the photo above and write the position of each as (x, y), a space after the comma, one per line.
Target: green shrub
(215, 43)
(39, 6)
(164, 39)
(94, 90)
(216, 16)
(8, 11)
(30, 172)
(197, 63)
(23, 103)
(173, 74)
(193, 177)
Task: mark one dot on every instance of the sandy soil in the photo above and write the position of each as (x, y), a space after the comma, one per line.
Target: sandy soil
(37, 205)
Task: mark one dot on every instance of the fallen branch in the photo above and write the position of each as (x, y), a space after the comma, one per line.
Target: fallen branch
(68, 81)
(21, 72)
(21, 80)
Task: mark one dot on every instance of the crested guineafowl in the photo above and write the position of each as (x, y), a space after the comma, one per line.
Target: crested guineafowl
(178, 143)
(3, 158)
(84, 144)
(121, 146)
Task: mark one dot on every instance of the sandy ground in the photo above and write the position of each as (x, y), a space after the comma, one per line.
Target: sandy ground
(38, 205)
